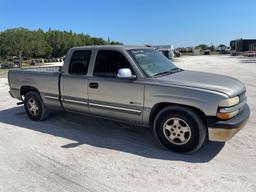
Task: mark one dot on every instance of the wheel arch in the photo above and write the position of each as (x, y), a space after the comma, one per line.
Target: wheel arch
(25, 89)
(160, 106)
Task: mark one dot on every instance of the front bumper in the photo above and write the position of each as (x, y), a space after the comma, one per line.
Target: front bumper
(219, 130)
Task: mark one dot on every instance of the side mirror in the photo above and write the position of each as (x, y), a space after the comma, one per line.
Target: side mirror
(125, 73)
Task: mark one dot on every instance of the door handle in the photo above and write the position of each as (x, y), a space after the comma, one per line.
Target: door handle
(93, 85)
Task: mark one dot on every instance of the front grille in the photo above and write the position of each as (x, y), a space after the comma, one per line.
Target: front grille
(242, 96)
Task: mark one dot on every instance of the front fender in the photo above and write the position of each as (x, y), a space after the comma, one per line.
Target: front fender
(206, 101)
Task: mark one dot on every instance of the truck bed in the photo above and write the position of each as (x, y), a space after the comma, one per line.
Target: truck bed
(45, 79)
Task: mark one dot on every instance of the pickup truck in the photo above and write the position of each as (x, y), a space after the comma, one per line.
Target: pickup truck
(139, 86)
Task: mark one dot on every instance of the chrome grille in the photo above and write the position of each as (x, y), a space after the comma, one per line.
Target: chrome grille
(242, 96)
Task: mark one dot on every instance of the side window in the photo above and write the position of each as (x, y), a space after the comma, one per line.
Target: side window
(79, 62)
(108, 62)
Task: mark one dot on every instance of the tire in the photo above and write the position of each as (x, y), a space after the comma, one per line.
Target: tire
(179, 129)
(35, 107)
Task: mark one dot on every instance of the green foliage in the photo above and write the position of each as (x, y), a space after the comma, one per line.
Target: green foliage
(202, 47)
(222, 45)
(38, 43)
(212, 48)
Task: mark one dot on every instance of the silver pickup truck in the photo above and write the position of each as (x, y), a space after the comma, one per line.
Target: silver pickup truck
(139, 86)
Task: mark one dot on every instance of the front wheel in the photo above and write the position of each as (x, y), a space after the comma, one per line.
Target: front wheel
(180, 129)
(34, 106)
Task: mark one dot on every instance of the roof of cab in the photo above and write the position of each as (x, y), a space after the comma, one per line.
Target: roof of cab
(127, 47)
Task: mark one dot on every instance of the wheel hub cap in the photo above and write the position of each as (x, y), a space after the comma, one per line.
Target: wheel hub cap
(32, 107)
(177, 131)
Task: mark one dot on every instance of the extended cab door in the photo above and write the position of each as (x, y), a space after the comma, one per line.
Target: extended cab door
(112, 97)
(74, 82)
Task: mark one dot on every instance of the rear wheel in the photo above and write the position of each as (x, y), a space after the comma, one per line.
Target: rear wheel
(34, 106)
(180, 129)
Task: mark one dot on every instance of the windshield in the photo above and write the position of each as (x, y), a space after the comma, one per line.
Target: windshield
(151, 61)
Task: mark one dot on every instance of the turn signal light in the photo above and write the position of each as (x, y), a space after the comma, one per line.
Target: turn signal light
(226, 116)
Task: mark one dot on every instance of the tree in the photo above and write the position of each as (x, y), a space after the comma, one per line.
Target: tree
(16, 42)
(212, 48)
(222, 47)
(202, 46)
(39, 46)
(38, 43)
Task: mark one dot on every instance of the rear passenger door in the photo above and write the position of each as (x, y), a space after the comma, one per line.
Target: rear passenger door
(112, 97)
(74, 82)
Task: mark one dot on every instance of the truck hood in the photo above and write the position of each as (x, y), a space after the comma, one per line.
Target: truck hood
(214, 82)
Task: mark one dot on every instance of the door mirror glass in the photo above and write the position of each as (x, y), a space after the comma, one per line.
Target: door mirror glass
(125, 73)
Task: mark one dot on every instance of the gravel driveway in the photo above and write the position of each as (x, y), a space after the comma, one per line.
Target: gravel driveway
(69, 152)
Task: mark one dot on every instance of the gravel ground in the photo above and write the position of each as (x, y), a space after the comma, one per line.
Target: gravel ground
(69, 152)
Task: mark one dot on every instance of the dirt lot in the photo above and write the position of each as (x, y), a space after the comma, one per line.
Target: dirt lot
(76, 153)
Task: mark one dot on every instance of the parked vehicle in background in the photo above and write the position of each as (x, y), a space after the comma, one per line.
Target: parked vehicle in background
(239, 46)
(177, 53)
(16, 63)
(167, 50)
(33, 62)
(139, 86)
(223, 49)
(249, 53)
(6, 66)
(207, 52)
(185, 50)
(9, 65)
(196, 51)
(36, 61)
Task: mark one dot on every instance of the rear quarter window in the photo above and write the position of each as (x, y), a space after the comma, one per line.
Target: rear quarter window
(79, 62)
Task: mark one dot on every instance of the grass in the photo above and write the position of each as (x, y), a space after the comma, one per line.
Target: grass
(3, 72)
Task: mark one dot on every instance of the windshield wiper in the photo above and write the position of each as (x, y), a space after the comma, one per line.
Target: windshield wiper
(174, 70)
(162, 73)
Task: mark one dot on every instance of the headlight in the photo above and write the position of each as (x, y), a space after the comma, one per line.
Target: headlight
(223, 113)
(229, 102)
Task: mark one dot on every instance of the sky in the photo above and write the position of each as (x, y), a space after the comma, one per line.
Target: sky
(138, 22)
